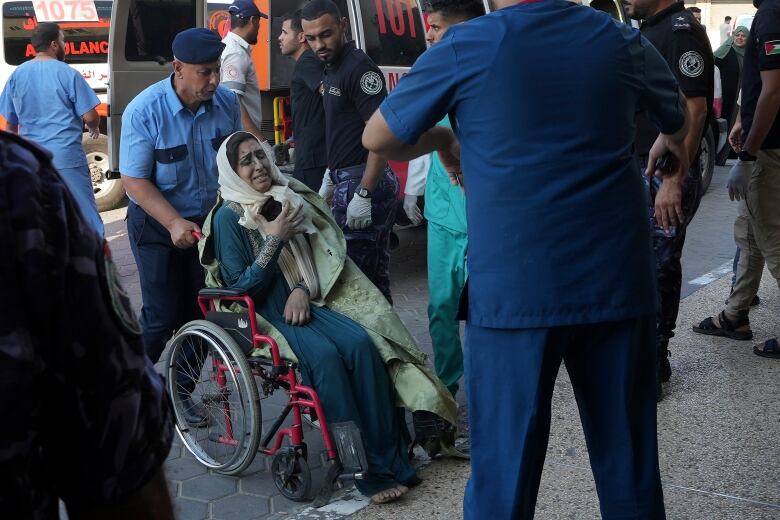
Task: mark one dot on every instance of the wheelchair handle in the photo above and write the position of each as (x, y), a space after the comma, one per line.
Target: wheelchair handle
(197, 234)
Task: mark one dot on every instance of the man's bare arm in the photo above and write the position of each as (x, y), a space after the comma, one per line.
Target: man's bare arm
(766, 111)
(375, 165)
(697, 117)
(92, 121)
(146, 195)
(378, 138)
(247, 123)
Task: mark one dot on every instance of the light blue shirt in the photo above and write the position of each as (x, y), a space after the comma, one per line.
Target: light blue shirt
(48, 99)
(163, 141)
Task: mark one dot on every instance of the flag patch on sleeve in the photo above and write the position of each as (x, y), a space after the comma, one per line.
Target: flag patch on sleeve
(772, 48)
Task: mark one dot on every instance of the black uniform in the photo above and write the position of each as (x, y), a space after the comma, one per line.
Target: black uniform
(85, 415)
(308, 120)
(353, 88)
(683, 43)
(762, 52)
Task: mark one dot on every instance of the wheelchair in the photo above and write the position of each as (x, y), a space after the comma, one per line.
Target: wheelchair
(210, 364)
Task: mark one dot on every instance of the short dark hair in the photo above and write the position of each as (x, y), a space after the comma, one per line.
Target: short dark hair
(295, 20)
(728, 19)
(455, 9)
(694, 9)
(231, 148)
(44, 34)
(238, 21)
(317, 8)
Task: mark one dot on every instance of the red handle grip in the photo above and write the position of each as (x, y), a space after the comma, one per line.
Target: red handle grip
(198, 235)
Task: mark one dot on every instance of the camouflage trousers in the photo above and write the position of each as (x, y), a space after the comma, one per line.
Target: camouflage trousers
(668, 248)
(368, 248)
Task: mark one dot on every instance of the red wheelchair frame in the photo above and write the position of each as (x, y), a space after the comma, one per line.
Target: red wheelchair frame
(281, 371)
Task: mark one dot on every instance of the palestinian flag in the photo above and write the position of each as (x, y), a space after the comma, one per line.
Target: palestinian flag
(772, 47)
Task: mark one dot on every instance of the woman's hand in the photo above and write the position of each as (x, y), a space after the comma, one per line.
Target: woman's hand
(296, 310)
(286, 225)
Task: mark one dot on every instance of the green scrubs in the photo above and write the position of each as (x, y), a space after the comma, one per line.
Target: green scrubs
(445, 210)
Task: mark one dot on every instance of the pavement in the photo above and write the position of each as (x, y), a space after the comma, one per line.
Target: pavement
(718, 426)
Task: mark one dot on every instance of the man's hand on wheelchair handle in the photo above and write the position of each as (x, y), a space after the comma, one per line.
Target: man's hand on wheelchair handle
(181, 231)
(297, 310)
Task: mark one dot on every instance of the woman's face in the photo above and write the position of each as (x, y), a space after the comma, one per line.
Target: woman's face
(740, 39)
(254, 168)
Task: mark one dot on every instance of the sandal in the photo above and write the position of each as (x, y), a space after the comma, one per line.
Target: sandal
(769, 349)
(727, 329)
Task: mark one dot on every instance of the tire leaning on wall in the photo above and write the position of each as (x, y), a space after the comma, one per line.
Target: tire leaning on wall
(109, 194)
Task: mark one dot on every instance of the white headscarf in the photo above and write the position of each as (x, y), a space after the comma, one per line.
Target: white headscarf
(296, 262)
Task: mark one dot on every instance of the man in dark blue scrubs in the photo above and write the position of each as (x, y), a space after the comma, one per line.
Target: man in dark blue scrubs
(560, 264)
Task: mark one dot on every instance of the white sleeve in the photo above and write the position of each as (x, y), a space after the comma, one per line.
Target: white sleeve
(233, 72)
(417, 174)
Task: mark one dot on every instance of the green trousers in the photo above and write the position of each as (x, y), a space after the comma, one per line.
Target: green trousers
(446, 277)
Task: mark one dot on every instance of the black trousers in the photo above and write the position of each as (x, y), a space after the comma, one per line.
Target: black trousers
(311, 177)
(170, 279)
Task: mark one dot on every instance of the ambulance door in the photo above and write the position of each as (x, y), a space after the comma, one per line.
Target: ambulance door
(142, 32)
(392, 33)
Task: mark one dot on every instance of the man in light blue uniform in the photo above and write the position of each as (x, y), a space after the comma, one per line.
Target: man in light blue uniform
(170, 135)
(560, 264)
(48, 102)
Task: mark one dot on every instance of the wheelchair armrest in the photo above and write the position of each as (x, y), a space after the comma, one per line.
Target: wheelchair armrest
(220, 292)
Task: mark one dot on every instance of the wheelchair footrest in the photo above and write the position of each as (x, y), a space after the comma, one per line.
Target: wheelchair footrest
(349, 445)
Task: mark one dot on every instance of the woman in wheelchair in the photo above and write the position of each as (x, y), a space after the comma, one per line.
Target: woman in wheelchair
(276, 240)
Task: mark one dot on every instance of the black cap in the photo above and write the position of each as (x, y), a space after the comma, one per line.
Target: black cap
(198, 45)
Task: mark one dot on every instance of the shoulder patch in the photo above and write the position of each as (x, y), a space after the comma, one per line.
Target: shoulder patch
(680, 23)
(231, 72)
(691, 64)
(371, 83)
(772, 48)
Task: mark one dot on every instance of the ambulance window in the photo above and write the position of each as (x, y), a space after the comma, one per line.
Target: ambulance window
(85, 42)
(219, 18)
(393, 31)
(152, 25)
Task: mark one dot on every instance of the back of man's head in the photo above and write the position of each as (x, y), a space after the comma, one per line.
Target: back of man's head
(728, 19)
(455, 10)
(294, 17)
(43, 35)
(317, 8)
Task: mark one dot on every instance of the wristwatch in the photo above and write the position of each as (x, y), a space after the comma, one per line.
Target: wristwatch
(363, 192)
(744, 156)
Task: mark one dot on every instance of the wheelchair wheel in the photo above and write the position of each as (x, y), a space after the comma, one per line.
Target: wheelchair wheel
(201, 356)
(291, 474)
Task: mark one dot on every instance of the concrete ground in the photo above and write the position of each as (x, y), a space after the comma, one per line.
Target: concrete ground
(718, 429)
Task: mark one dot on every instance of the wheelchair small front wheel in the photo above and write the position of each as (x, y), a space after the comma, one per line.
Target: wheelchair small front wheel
(209, 377)
(291, 474)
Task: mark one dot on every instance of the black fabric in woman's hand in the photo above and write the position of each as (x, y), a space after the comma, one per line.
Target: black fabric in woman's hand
(271, 209)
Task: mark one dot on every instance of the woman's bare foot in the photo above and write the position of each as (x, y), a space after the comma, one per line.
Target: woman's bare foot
(390, 494)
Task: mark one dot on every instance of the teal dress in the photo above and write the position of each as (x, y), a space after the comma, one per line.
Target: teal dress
(335, 355)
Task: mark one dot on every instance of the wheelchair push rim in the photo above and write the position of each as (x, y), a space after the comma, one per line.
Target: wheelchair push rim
(204, 358)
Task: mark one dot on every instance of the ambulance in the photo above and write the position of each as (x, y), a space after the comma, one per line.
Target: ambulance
(391, 32)
(86, 27)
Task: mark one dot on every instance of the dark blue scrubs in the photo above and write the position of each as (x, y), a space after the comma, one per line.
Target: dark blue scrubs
(560, 263)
